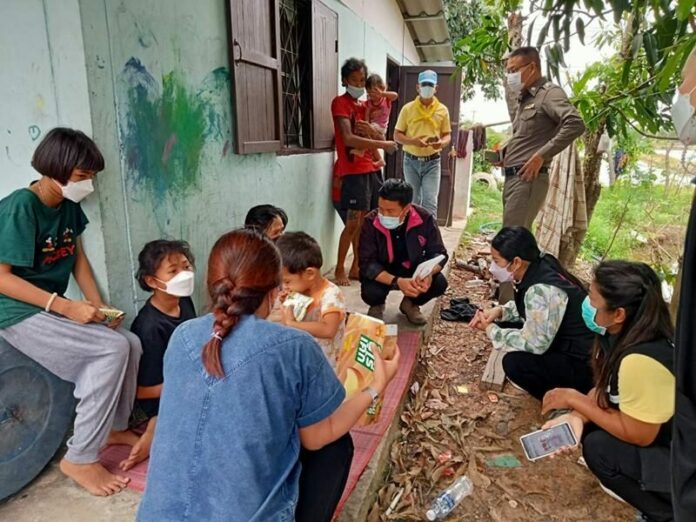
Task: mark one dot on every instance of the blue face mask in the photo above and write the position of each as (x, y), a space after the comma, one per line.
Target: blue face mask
(589, 313)
(388, 222)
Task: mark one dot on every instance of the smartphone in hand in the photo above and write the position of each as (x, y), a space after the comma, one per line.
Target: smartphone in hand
(542, 443)
(492, 156)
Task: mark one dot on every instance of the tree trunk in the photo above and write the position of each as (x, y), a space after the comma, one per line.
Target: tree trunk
(514, 27)
(572, 239)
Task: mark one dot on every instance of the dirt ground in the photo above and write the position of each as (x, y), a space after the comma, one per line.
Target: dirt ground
(450, 428)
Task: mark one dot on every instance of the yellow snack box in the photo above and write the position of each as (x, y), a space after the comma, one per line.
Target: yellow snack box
(356, 362)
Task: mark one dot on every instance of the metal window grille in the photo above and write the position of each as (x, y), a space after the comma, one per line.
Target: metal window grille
(295, 50)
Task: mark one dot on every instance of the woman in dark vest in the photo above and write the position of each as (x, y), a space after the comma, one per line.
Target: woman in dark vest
(553, 346)
(627, 417)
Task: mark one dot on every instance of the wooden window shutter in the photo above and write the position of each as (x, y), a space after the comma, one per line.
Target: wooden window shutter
(256, 75)
(324, 73)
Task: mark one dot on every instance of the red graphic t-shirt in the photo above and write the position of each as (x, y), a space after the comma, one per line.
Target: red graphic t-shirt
(345, 106)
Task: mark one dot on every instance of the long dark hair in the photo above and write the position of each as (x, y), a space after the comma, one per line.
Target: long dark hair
(514, 242)
(244, 266)
(636, 288)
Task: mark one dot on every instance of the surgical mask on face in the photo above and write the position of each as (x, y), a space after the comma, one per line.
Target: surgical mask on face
(500, 273)
(514, 81)
(683, 117)
(427, 92)
(389, 222)
(589, 313)
(181, 285)
(355, 92)
(76, 191)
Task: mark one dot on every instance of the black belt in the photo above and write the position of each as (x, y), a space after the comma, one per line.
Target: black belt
(422, 158)
(512, 171)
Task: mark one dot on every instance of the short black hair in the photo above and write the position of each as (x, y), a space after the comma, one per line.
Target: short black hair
(261, 216)
(152, 255)
(374, 80)
(397, 190)
(62, 150)
(299, 251)
(531, 53)
(351, 65)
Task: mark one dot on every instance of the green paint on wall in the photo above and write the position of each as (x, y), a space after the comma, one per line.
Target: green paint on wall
(164, 131)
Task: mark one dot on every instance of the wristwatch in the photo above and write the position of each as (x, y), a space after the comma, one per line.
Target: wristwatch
(395, 283)
(373, 393)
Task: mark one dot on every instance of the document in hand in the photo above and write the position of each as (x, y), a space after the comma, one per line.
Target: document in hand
(426, 267)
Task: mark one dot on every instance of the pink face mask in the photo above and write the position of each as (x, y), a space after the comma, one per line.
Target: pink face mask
(500, 273)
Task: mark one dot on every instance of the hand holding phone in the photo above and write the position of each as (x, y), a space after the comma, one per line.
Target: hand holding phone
(542, 443)
(492, 156)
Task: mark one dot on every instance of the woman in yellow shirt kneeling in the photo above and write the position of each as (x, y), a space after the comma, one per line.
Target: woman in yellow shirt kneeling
(625, 421)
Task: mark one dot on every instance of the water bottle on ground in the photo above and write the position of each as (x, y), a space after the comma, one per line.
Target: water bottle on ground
(449, 499)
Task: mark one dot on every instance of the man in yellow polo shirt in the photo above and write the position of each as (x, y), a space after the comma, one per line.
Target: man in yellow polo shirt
(424, 129)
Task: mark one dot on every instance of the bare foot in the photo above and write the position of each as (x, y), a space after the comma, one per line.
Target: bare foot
(341, 277)
(126, 437)
(140, 451)
(354, 274)
(94, 478)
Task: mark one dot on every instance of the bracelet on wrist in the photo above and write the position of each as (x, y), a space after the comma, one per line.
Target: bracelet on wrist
(50, 301)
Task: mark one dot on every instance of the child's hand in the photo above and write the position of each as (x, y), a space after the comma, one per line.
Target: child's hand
(287, 315)
(81, 312)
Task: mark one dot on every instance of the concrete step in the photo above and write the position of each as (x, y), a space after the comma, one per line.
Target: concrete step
(361, 499)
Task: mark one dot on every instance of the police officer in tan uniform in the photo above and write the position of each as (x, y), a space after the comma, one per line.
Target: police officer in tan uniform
(545, 124)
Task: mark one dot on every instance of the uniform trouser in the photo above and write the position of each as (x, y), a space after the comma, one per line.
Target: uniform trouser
(424, 177)
(374, 293)
(618, 466)
(538, 374)
(103, 365)
(322, 480)
(522, 201)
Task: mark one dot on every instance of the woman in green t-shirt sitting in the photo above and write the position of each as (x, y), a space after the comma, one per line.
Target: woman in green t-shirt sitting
(627, 417)
(40, 246)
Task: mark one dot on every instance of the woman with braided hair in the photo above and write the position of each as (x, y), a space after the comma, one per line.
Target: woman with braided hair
(242, 394)
(625, 421)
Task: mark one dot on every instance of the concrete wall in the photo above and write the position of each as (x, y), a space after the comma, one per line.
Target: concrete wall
(43, 84)
(150, 81)
(384, 16)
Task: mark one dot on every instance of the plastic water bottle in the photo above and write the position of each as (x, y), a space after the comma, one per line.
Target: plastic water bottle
(449, 499)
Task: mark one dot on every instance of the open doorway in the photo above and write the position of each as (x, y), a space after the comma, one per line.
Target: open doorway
(393, 78)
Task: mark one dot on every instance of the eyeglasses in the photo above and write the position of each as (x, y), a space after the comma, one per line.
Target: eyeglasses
(517, 69)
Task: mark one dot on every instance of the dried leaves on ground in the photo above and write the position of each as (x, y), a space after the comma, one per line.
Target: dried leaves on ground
(449, 428)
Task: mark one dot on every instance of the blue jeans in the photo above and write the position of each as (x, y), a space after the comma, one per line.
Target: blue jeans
(424, 177)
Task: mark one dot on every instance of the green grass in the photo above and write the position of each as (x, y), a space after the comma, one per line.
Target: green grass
(487, 206)
(640, 212)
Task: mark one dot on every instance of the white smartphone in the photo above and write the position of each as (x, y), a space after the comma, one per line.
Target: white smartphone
(542, 443)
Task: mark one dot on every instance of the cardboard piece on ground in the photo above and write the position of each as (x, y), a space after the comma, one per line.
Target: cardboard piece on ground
(494, 376)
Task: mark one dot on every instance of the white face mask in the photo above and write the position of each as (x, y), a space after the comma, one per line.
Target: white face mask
(181, 285)
(500, 273)
(76, 191)
(514, 81)
(683, 117)
(427, 92)
(355, 92)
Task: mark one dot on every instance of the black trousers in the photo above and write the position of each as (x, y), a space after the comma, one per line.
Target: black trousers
(322, 480)
(618, 466)
(375, 293)
(538, 374)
